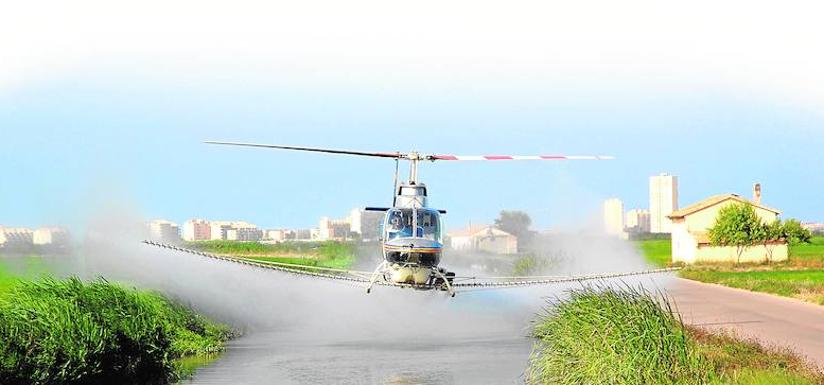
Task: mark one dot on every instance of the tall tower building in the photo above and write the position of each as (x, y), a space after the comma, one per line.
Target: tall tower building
(663, 200)
(614, 216)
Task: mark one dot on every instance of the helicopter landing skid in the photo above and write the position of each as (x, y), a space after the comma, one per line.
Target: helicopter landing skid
(444, 281)
(378, 273)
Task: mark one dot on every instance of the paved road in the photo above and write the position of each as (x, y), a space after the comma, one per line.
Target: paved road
(771, 319)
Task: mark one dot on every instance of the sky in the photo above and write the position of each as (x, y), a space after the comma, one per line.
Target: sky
(107, 103)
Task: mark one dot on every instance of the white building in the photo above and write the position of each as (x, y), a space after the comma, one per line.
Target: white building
(16, 237)
(54, 236)
(690, 233)
(234, 231)
(197, 230)
(365, 223)
(163, 230)
(484, 238)
(337, 229)
(663, 200)
(614, 216)
(637, 221)
(815, 228)
(276, 235)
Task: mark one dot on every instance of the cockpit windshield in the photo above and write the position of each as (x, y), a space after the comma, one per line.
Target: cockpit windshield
(400, 222)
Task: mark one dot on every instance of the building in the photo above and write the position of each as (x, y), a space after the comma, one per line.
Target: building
(614, 216)
(483, 238)
(163, 230)
(815, 228)
(663, 200)
(275, 235)
(16, 237)
(333, 229)
(234, 231)
(637, 221)
(52, 236)
(365, 223)
(197, 230)
(244, 234)
(690, 233)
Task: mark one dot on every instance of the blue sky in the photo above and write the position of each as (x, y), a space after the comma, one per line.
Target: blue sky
(71, 146)
(104, 105)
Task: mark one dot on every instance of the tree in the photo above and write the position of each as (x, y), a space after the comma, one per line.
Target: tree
(769, 233)
(516, 223)
(737, 225)
(794, 233)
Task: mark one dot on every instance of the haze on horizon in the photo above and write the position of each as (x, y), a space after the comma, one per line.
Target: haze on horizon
(104, 102)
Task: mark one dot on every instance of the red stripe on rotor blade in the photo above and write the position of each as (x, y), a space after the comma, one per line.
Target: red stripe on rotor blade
(497, 157)
(445, 157)
(551, 157)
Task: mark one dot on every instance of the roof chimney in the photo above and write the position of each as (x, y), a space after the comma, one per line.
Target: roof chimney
(756, 193)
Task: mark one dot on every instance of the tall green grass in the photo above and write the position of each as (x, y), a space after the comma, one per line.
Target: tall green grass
(608, 336)
(628, 336)
(71, 332)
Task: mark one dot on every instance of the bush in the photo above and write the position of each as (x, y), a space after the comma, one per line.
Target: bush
(71, 332)
(607, 336)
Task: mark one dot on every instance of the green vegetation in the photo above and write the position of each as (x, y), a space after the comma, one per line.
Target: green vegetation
(516, 223)
(333, 254)
(73, 332)
(630, 336)
(806, 284)
(658, 252)
(811, 253)
(801, 277)
(738, 225)
(530, 264)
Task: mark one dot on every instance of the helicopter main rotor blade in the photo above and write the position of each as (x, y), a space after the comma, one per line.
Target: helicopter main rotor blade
(519, 157)
(313, 149)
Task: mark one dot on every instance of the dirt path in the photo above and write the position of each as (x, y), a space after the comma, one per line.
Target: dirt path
(770, 319)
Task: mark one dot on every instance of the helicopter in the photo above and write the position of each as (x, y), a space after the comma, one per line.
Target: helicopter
(411, 233)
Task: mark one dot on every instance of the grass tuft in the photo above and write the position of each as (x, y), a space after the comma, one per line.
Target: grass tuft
(600, 335)
(627, 336)
(71, 332)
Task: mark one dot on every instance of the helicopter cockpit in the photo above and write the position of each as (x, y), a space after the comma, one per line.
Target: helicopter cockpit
(401, 222)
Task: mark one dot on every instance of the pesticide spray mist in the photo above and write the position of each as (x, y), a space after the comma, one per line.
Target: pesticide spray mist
(398, 335)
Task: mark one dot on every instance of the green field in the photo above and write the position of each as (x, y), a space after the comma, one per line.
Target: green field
(658, 252)
(801, 277)
(630, 336)
(332, 254)
(72, 332)
(807, 285)
(812, 252)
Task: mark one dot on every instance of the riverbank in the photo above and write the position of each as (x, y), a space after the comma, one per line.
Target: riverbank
(66, 331)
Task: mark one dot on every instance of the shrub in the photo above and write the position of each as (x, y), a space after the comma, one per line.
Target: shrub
(600, 335)
(71, 332)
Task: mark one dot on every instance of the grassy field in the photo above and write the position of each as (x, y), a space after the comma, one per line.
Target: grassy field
(812, 253)
(339, 255)
(801, 277)
(73, 332)
(630, 336)
(658, 252)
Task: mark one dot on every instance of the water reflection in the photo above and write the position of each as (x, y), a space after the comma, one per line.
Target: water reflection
(282, 358)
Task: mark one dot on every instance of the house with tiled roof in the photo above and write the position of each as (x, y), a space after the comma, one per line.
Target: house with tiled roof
(486, 238)
(690, 232)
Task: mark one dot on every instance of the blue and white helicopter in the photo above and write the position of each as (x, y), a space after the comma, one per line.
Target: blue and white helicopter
(411, 234)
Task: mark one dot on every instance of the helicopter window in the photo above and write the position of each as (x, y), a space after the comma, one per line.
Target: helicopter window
(399, 224)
